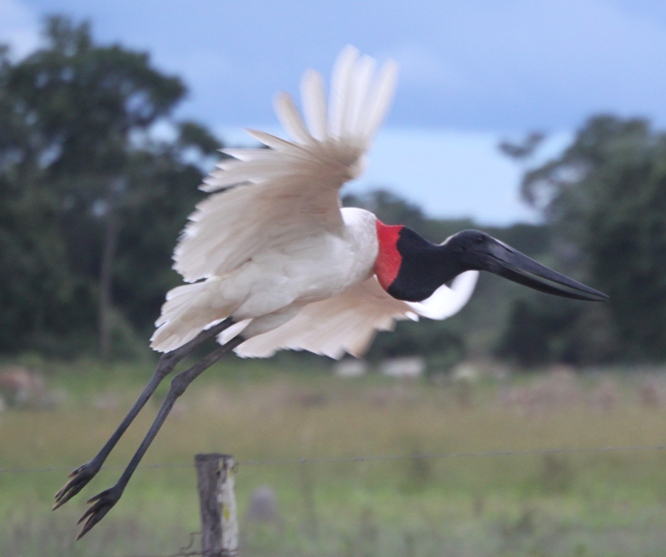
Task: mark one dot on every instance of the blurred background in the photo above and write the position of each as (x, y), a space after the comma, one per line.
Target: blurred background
(541, 123)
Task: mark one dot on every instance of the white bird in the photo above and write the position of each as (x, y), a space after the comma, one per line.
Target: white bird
(291, 267)
(273, 261)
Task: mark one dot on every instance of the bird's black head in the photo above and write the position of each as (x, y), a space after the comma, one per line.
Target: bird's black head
(475, 250)
(471, 250)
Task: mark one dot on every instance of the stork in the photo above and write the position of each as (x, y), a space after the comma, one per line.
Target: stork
(271, 261)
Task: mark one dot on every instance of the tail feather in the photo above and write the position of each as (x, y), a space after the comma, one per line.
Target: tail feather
(188, 310)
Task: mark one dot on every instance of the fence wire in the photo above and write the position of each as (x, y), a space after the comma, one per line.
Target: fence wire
(370, 458)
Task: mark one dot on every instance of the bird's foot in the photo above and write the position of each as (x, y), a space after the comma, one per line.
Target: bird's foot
(79, 479)
(102, 503)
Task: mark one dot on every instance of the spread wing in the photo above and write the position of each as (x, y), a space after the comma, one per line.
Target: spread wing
(291, 188)
(348, 322)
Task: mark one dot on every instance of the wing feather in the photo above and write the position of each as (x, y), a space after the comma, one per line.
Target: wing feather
(291, 119)
(343, 72)
(362, 82)
(345, 323)
(291, 189)
(382, 97)
(314, 104)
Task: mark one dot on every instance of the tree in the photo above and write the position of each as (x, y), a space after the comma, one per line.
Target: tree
(80, 157)
(524, 150)
(605, 197)
(34, 284)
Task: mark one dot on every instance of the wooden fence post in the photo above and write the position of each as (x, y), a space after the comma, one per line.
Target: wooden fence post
(217, 502)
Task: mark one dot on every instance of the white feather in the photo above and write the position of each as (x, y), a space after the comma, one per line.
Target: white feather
(447, 301)
(291, 119)
(271, 247)
(340, 90)
(362, 81)
(314, 104)
(331, 327)
(378, 102)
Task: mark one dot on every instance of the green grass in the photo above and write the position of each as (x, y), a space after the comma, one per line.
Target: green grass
(572, 504)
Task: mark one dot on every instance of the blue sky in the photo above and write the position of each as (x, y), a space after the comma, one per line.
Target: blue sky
(472, 72)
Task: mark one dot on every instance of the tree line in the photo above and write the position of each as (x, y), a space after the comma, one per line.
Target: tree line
(91, 197)
(97, 177)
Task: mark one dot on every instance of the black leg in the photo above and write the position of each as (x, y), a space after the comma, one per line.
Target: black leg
(104, 501)
(86, 472)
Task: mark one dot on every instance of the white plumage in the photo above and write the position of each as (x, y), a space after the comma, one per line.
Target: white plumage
(271, 246)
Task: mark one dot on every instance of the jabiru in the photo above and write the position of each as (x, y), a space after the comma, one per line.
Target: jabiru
(273, 262)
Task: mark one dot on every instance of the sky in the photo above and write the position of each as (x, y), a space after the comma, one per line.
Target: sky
(472, 72)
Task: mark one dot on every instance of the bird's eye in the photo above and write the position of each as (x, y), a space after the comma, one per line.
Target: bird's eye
(479, 239)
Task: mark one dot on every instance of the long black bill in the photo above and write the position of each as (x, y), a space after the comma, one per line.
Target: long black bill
(513, 265)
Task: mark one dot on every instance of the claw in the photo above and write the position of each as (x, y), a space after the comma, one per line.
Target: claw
(103, 503)
(79, 479)
(76, 471)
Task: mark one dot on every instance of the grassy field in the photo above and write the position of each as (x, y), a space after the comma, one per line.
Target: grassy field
(582, 504)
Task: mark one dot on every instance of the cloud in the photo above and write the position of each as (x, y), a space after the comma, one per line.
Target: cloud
(478, 64)
(540, 64)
